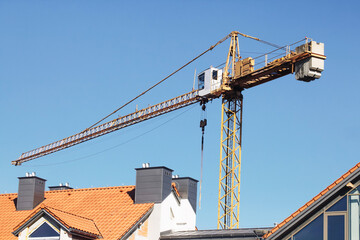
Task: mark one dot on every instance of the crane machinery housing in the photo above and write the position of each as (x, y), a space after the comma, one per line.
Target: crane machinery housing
(307, 62)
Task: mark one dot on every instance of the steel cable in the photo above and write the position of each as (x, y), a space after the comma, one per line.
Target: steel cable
(153, 86)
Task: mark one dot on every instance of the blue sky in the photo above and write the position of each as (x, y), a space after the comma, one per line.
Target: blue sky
(66, 64)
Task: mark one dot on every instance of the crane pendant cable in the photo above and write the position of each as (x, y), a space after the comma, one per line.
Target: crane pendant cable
(147, 90)
(201, 54)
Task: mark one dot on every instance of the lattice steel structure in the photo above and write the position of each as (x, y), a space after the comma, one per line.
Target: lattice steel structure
(230, 163)
(238, 74)
(111, 126)
(230, 144)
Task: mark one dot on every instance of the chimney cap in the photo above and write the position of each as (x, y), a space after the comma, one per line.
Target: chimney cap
(180, 178)
(162, 167)
(32, 177)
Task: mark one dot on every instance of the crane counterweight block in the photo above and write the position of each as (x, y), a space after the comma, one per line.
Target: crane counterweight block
(310, 68)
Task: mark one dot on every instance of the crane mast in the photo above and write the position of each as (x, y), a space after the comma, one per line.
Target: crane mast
(307, 62)
(230, 143)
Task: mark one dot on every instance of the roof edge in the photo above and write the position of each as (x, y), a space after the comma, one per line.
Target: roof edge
(45, 210)
(133, 228)
(36, 215)
(309, 207)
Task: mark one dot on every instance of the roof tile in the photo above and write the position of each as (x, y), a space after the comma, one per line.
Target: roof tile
(112, 209)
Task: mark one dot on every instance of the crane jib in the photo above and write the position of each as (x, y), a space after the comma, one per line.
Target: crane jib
(116, 124)
(273, 70)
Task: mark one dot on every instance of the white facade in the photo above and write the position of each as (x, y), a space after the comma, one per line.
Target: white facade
(173, 214)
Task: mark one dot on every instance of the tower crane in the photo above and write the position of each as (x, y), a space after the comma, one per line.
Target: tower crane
(307, 62)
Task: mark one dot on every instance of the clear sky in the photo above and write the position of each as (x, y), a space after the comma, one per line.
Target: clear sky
(66, 64)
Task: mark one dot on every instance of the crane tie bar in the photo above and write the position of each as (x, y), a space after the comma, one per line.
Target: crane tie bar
(158, 83)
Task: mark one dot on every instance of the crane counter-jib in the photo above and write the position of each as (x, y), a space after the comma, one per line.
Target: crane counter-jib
(116, 124)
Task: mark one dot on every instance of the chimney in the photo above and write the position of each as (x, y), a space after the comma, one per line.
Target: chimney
(187, 188)
(61, 186)
(31, 192)
(153, 184)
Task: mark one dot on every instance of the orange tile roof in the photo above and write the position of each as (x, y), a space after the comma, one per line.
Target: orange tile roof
(173, 185)
(70, 220)
(112, 209)
(313, 200)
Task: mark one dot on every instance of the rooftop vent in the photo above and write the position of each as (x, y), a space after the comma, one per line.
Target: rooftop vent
(61, 186)
(145, 165)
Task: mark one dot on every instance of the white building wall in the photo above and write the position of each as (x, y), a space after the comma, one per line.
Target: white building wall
(64, 235)
(170, 215)
(154, 223)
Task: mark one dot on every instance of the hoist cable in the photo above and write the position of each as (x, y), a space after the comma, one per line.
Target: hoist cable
(203, 123)
(201, 167)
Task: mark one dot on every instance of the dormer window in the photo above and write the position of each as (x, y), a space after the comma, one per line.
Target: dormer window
(45, 232)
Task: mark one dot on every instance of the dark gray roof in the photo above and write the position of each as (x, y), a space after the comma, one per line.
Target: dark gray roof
(240, 233)
(339, 188)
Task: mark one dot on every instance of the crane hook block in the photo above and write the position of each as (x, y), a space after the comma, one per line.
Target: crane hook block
(203, 123)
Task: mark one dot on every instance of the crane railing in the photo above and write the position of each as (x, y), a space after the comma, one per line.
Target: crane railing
(116, 124)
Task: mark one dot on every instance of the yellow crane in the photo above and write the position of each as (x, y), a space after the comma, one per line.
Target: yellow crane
(307, 62)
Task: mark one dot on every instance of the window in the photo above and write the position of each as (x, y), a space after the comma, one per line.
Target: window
(340, 221)
(215, 75)
(201, 81)
(45, 232)
(336, 227)
(341, 205)
(312, 231)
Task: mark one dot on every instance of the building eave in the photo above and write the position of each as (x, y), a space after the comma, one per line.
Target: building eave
(135, 226)
(36, 217)
(341, 188)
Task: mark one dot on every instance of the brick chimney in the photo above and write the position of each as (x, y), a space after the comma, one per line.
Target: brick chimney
(153, 184)
(31, 192)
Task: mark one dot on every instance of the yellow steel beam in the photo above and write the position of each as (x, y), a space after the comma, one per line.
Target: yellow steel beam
(230, 164)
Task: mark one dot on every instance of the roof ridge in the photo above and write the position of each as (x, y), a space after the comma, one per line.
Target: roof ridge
(75, 190)
(47, 207)
(90, 189)
(7, 194)
(312, 200)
